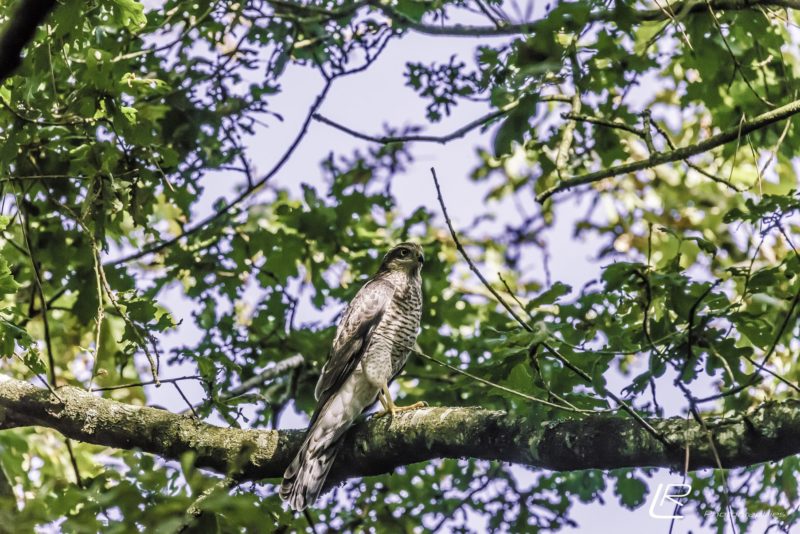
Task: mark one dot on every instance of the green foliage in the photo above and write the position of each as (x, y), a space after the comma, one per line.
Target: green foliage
(121, 117)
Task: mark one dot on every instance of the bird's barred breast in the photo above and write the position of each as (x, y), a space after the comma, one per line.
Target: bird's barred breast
(394, 337)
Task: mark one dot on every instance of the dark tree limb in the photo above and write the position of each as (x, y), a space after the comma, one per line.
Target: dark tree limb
(19, 31)
(376, 446)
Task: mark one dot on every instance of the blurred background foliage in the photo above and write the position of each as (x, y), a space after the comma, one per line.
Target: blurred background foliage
(121, 114)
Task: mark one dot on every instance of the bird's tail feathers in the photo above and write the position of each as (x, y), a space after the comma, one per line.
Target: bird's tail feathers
(305, 477)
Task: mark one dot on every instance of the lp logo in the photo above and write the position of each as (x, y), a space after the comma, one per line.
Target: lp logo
(665, 492)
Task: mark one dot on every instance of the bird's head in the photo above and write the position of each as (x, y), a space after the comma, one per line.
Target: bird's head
(406, 257)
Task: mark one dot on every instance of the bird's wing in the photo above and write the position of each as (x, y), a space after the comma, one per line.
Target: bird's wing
(353, 335)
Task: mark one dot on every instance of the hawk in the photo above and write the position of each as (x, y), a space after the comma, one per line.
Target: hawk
(373, 340)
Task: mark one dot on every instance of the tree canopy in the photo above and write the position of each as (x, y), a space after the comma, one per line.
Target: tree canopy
(662, 134)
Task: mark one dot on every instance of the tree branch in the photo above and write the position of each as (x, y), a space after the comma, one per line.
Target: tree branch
(19, 31)
(441, 139)
(731, 134)
(377, 446)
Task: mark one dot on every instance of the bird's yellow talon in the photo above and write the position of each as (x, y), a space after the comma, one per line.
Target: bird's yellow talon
(399, 409)
(416, 406)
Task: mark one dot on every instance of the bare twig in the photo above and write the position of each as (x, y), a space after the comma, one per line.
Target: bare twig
(98, 267)
(712, 446)
(466, 257)
(148, 383)
(74, 462)
(37, 279)
(142, 337)
(599, 121)
(774, 374)
(441, 139)
(186, 400)
(513, 296)
(691, 165)
(42, 379)
(498, 386)
(280, 368)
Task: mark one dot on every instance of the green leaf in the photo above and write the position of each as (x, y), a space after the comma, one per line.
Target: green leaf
(630, 490)
(7, 283)
(130, 14)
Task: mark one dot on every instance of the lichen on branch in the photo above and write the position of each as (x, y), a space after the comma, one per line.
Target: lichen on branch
(379, 445)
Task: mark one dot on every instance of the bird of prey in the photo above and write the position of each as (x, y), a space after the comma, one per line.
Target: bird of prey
(373, 340)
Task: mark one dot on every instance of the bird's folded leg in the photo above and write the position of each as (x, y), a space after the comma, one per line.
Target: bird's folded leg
(389, 407)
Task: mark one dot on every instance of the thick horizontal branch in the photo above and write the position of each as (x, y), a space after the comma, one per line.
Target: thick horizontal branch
(379, 445)
(682, 153)
(19, 31)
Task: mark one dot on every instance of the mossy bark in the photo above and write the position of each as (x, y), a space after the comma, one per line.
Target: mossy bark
(379, 445)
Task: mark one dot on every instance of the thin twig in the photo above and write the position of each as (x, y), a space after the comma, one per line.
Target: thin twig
(148, 383)
(24, 225)
(498, 386)
(153, 358)
(466, 257)
(74, 462)
(489, 477)
(709, 436)
(599, 121)
(441, 139)
(37, 279)
(186, 400)
(513, 296)
(691, 165)
(42, 379)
